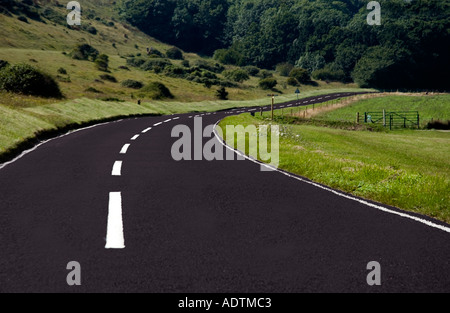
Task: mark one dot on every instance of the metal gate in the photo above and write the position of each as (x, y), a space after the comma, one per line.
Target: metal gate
(406, 119)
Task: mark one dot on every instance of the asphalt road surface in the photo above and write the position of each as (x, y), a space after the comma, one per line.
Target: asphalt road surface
(196, 226)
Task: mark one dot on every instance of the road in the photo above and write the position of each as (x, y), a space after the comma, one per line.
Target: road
(196, 226)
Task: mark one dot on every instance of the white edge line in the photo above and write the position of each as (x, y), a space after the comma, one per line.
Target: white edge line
(114, 232)
(24, 153)
(340, 194)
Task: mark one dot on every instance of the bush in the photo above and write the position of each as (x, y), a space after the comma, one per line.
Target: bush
(62, 71)
(265, 74)
(109, 78)
(155, 52)
(174, 54)
(268, 83)
(301, 75)
(215, 68)
(185, 63)
(157, 90)
(175, 71)
(25, 79)
(330, 73)
(92, 30)
(222, 93)
(93, 90)
(228, 56)
(3, 64)
(237, 75)
(134, 84)
(22, 19)
(102, 62)
(284, 69)
(84, 52)
(152, 63)
(252, 70)
(292, 82)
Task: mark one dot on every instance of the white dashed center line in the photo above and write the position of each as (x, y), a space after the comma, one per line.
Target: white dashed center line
(157, 124)
(114, 234)
(135, 137)
(117, 169)
(125, 149)
(146, 130)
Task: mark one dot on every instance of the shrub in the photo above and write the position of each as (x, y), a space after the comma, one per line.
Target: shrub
(62, 71)
(25, 79)
(284, 69)
(265, 74)
(237, 75)
(228, 56)
(92, 30)
(102, 62)
(156, 90)
(301, 75)
(109, 78)
(175, 71)
(174, 53)
(22, 19)
(185, 63)
(268, 83)
(134, 84)
(215, 68)
(136, 62)
(92, 89)
(153, 51)
(151, 64)
(222, 93)
(3, 64)
(252, 70)
(84, 52)
(292, 82)
(328, 73)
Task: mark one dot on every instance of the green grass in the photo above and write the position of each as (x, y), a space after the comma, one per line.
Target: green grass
(430, 107)
(407, 169)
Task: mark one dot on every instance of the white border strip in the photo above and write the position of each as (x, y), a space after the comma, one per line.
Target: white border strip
(338, 193)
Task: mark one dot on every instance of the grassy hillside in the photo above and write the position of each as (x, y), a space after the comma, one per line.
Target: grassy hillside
(41, 42)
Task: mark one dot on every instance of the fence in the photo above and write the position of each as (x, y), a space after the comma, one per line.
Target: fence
(394, 119)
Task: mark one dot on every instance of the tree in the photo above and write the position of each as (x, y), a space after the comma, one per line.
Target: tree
(222, 93)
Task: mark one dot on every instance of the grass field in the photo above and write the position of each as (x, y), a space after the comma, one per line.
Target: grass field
(436, 107)
(405, 168)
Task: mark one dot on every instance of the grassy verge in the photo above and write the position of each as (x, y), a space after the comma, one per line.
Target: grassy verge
(406, 169)
(21, 126)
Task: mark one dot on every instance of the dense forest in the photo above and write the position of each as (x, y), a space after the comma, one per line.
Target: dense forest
(331, 39)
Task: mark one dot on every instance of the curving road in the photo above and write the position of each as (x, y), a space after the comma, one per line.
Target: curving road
(197, 226)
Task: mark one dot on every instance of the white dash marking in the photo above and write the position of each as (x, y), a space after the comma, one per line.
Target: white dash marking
(146, 130)
(167, 121)
(157, 124)
(125, 149)
(114, 234)
(135, 137)
(117, 169)
(176, 118)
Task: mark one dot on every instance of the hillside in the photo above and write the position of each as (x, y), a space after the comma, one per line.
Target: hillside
(36, 33)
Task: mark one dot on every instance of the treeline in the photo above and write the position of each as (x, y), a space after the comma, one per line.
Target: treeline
(331, 39)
